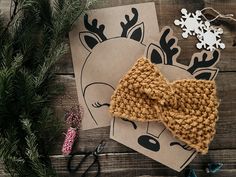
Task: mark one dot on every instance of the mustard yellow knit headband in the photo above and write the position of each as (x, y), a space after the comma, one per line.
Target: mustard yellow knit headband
(188, 108)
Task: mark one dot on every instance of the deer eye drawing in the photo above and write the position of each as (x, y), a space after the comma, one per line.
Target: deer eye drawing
(98, 105)
(103, 66)
(149, 140)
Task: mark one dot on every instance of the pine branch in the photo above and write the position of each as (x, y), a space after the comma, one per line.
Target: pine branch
(66, 16)
(32, 151)
(31, 44)
(45, 70)
(10, 154)
(47, 123)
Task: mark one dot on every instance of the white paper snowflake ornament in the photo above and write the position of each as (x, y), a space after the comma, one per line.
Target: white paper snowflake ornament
(209, 37)
(190, 22)
(198, 24)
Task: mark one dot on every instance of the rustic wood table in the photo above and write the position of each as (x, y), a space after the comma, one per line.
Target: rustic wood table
(118, 160)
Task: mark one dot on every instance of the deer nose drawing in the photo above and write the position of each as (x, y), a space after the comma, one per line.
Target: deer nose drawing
(149, 142)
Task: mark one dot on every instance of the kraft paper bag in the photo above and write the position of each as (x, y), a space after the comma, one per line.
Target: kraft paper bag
(153, 139)
(104, 44)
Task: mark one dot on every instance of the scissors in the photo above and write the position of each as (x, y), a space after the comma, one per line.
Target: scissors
(94, 153)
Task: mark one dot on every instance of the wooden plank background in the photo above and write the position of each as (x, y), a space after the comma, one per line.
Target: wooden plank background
(120, 161)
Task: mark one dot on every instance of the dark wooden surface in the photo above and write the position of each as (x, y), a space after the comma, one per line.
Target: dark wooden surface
(120, 161)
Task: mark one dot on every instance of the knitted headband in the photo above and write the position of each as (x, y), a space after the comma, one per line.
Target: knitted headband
(188, 108)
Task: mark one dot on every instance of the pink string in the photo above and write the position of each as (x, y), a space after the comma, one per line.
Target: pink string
(69, 141)
(73, 118)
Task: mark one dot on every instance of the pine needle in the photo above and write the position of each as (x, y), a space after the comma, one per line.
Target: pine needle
(31, 43)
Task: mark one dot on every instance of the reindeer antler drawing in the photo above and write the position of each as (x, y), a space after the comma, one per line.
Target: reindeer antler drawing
(202, 61)
(93, 28)
(129, 23)
(168, 46)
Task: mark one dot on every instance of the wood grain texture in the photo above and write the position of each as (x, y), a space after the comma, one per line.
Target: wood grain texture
(120, 161)
(5, 6)
(135, 164)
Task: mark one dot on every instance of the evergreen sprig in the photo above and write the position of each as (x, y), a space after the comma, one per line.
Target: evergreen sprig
(32, 150)
(31, 42)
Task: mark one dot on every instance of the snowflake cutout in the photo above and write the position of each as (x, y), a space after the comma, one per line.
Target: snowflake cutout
(190, 22)
(209, 37)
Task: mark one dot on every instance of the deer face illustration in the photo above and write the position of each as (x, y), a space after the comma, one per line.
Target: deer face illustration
(106, 79)
(152, 138)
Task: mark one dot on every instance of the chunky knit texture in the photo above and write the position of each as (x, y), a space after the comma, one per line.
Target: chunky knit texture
(188, 108)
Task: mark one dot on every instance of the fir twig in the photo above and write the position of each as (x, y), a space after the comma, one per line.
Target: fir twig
(32, 150)
(31, 43)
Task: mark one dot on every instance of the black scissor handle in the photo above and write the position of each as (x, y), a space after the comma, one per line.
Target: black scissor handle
(74, 170)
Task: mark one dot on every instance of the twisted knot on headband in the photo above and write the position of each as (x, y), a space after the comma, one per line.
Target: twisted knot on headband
(188, 108)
